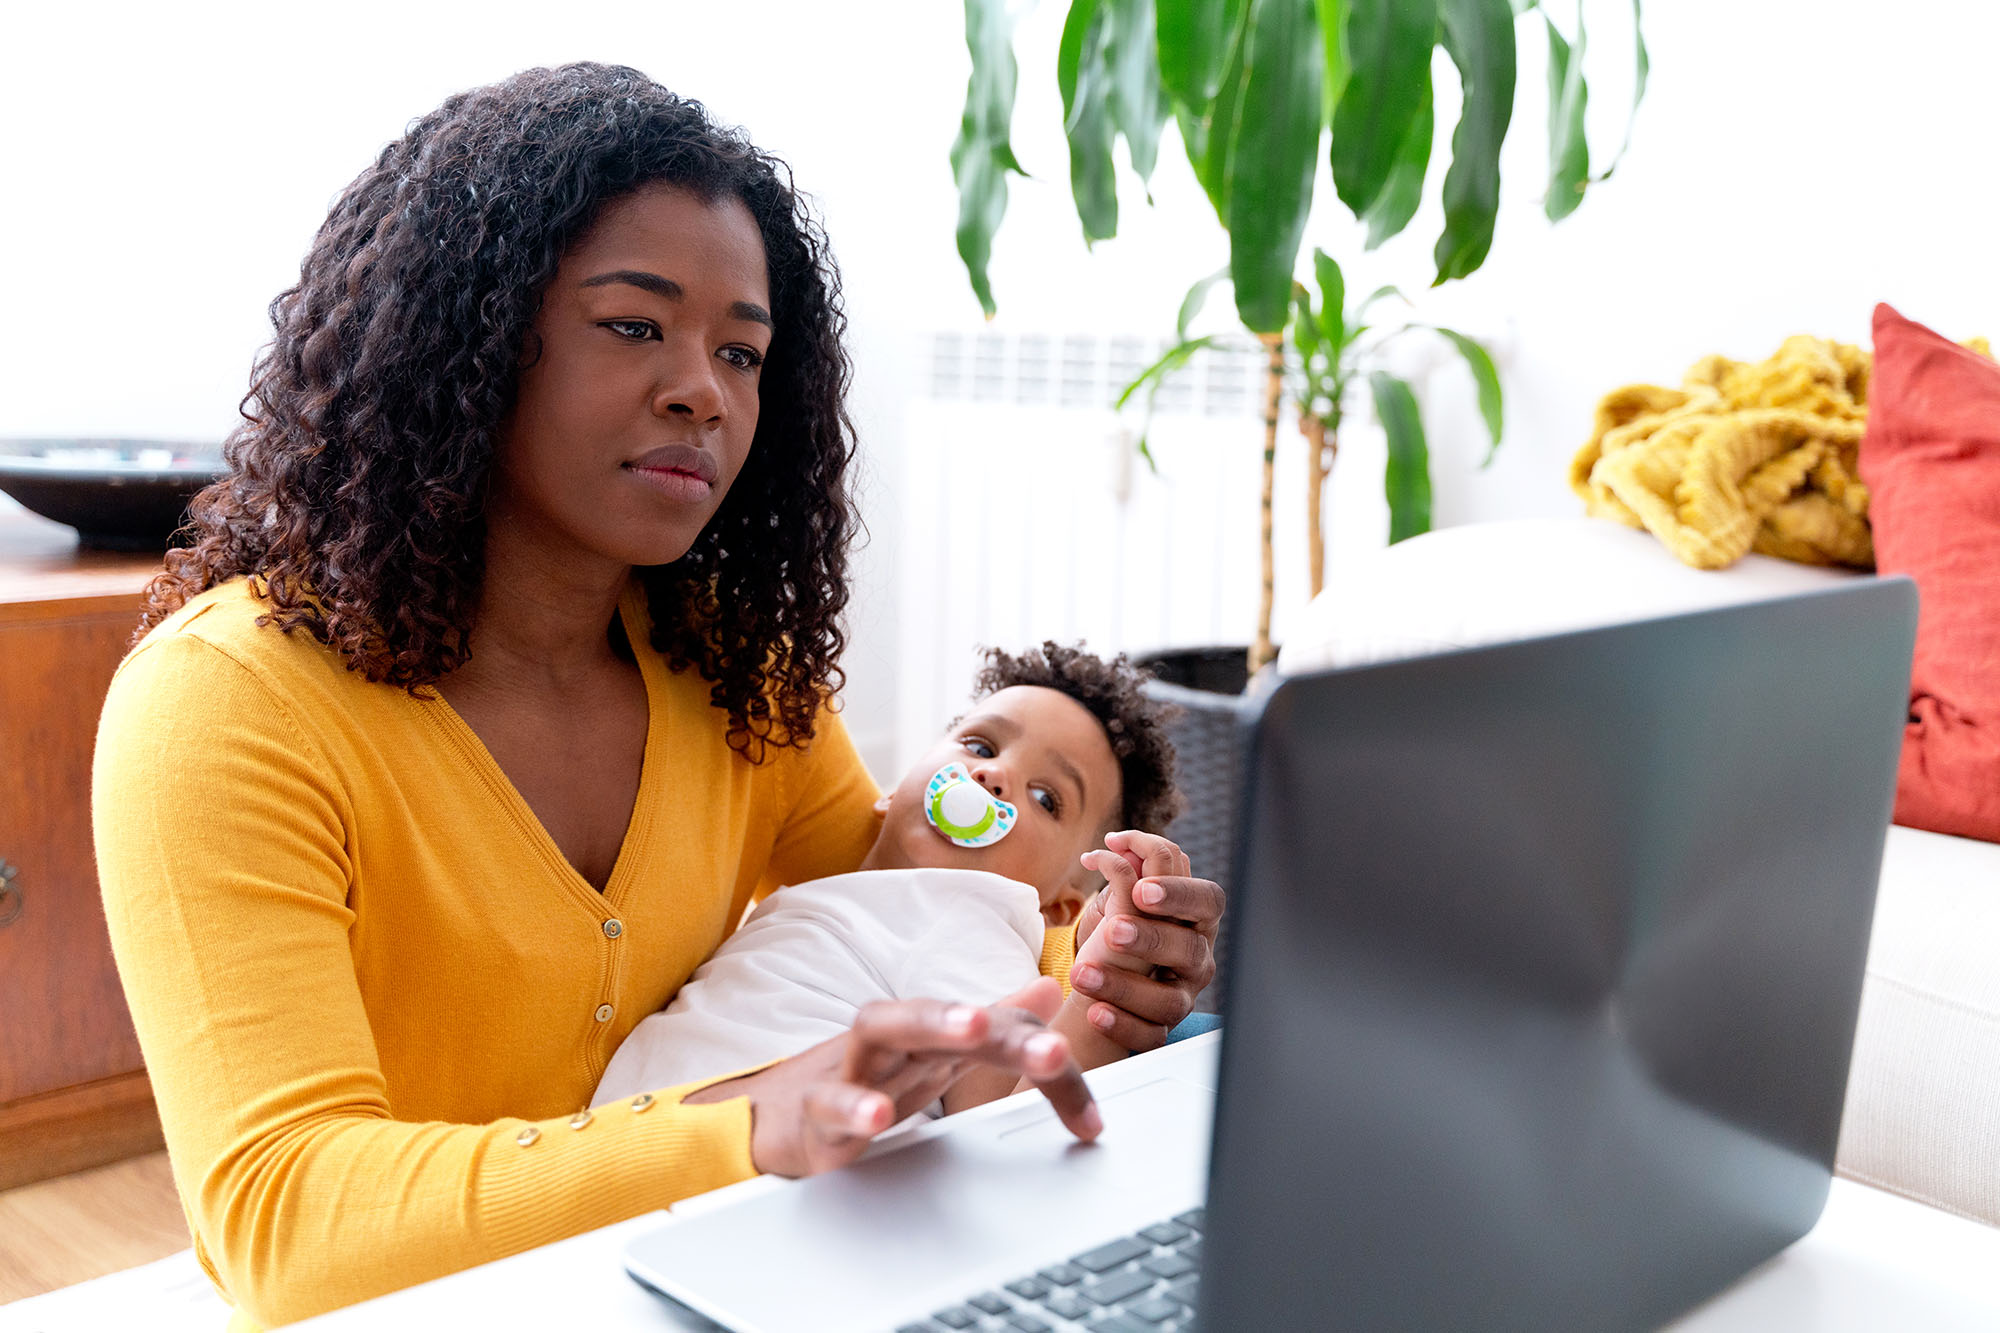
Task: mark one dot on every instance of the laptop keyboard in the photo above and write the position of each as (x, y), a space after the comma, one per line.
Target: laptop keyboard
(1141, 1283)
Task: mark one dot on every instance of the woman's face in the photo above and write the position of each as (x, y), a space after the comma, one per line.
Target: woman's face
(631, 425)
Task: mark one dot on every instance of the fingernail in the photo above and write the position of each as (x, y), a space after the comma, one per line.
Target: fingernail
(1123, 932)
(1149, 893)
(958, 1021)
(1087, 977)
(1100, 1017)
(1093, 1120)
(1044, 1047)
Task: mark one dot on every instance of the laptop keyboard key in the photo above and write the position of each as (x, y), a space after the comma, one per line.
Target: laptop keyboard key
(1118, 1323)
(1169, 1265)
(956, 1317)
(1033, 1288)
(926, 1327)
(1026, 1323)
(1107, 1257)
(1190, 1249)
(1184, 1290)
(988, 1302)
(1154, 1309)
(1067, 1305)
(1119, 1286)
(1165, 1233)
(1193, 1217)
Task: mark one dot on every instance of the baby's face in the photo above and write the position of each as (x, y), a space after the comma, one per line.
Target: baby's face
(1038, 750)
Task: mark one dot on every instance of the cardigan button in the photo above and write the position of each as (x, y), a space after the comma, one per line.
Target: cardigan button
(613, 928)
(643, 1102)
(581, 1118)
(527, 1136)
(604, 1013)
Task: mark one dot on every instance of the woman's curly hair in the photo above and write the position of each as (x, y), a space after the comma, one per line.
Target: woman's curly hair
(1114, 692)
(358, 481)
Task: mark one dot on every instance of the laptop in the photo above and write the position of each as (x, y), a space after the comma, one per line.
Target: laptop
(1547, 962)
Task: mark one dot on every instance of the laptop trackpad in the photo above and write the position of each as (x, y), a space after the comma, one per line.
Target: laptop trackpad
(946, 1215)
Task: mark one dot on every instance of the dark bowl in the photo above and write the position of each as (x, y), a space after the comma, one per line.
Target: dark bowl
(121, 495)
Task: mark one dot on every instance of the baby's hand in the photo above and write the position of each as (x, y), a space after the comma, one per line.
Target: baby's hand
(1121, 873)
(1152, 960)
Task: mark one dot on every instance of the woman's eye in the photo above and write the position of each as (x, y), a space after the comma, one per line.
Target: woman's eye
(1046, 799)
(743, 358)
(977, 747)
(637, 330)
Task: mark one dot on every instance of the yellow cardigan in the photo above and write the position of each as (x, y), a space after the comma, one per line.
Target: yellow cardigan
(371, 992)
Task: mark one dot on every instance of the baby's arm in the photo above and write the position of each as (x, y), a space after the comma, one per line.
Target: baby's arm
(1090, 1047)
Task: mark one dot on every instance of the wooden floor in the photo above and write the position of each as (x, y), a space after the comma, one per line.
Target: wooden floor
(57, 1232)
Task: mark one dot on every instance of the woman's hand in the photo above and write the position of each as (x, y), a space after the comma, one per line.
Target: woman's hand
(819, 1109)
(1155, 925)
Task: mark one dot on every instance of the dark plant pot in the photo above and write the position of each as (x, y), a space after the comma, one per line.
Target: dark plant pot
(1207, 684)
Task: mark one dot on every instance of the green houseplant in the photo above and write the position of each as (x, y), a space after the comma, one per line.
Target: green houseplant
(1261, 92)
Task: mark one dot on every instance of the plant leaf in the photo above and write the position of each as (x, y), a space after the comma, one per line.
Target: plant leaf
(1138, 103)
(1333, 35)
(1270, 168)
(1196, 297)
(1407, 479)
(1569, 151)
(1479, 36)
(1404, 190)
(1193, 38)
(981, 156)
(1151, 378)
(1332, 302)
(1378, 294)
(1169, 361)
(1217, 132)
(1305, 327)
(1487, 380)
(1645, 70)
(1388, 45)
(1084, 75)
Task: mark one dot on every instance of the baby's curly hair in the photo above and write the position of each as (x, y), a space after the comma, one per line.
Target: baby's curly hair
(1135, 724)
(358, 480)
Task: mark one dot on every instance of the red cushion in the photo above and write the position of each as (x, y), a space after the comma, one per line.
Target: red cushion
(1931, 459)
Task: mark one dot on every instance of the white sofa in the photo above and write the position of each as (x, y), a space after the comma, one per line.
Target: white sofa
(1923, 1102)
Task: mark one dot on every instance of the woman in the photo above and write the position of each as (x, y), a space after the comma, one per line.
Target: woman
(492, 690)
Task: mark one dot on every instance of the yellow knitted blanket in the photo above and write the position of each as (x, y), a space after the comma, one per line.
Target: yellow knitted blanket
(1744, 456)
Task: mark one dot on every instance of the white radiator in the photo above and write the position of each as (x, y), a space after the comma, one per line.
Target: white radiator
(1025, 512)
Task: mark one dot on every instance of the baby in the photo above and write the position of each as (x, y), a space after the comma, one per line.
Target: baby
(995, 835)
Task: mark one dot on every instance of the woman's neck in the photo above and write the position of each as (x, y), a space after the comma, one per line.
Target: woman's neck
(545, 614)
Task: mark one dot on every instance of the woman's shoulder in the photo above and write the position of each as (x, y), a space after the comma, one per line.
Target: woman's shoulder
(220, 633)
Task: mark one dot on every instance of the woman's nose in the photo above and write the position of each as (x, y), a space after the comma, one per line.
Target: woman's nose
(687, 387)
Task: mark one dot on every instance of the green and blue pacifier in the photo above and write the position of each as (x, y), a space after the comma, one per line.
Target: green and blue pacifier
(963, 811)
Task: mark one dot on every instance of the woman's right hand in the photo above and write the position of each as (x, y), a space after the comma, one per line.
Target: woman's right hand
(819, 1109)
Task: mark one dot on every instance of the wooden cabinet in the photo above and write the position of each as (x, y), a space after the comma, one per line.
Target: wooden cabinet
(73, 1090)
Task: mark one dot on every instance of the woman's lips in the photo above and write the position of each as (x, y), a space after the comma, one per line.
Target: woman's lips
(674, 483)
(678, 471)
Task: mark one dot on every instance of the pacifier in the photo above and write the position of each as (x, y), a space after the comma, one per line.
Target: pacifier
(963, 811)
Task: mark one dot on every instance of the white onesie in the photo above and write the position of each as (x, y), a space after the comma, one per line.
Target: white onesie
(799, 969)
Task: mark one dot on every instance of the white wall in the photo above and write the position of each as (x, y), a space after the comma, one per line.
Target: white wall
(1794, 163)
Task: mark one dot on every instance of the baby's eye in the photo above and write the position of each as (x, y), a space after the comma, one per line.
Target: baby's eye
(978, 747)
(1048, 800)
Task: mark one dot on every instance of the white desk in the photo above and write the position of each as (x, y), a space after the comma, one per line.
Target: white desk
(1875, 1261)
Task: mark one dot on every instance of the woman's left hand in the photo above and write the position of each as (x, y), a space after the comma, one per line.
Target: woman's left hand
(1160, 925)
